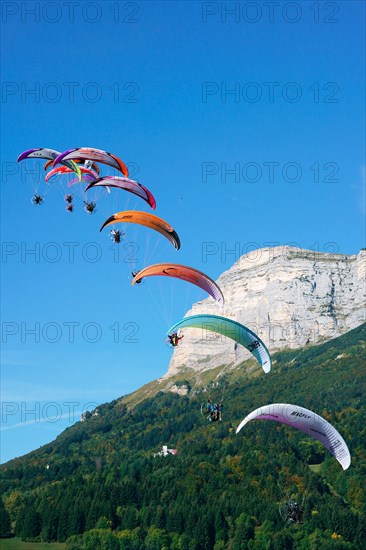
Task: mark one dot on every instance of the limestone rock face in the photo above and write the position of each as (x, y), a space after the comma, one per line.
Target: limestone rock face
(286, 295)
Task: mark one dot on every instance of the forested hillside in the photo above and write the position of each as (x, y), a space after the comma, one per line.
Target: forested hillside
(98, 485)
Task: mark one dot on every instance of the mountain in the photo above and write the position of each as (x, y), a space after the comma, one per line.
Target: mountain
(286, 295)
(100, 484)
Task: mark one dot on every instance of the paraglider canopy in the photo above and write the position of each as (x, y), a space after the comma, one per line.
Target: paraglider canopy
(306, 421)
(61, 170)
(148, 220)
(126, 185)
(184, 273)
(231, 329)
(49, 154)
(89, 153)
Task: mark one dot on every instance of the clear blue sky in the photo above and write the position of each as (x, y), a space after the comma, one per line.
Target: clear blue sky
(292, 129)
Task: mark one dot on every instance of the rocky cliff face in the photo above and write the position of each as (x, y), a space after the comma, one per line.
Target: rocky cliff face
(288, 296)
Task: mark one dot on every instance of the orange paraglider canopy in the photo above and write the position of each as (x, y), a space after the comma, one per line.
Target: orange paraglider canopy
(184, 273)
(148, 220)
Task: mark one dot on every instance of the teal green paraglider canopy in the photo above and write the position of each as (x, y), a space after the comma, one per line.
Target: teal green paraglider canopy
(227, 327)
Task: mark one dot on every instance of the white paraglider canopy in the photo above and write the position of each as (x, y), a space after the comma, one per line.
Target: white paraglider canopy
(306, 421)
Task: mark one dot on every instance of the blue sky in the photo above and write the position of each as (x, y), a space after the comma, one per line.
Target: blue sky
(248, 128)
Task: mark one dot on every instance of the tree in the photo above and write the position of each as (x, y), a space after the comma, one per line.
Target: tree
(244, 531)
(50, 525)
(75, 542)
(263, 536)
(130, 540)
(127, 517)
(156, 539)
(31, 525)
(181, 542)
(5, 523)
(204, 532)
(281, 540)
(63, 524)
(77, 519)
(100, 538)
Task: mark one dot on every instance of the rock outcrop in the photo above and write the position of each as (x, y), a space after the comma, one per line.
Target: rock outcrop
(288, 296)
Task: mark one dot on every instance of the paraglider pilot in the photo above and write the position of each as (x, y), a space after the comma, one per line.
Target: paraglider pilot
(69, 198)
(174, 339)
(89, 207)
(37, 199)
(134, 273)
(214, 411)
(116, 235)
(294, 512)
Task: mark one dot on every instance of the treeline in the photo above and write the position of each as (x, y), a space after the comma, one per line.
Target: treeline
(98, 484)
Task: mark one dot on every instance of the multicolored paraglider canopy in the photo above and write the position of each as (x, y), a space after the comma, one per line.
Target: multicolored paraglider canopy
(62, 170)
(89, 153)
(49, 154)
(127, 185)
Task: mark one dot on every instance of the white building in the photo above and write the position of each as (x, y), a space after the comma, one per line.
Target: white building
(165, 451)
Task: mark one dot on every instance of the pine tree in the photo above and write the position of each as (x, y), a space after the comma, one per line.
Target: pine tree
(63, 530)
(5, 523)
(32, 524)
(51, 526)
